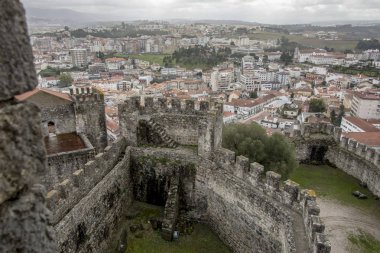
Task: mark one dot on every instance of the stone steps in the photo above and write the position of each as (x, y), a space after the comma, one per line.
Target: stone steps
(167, 140)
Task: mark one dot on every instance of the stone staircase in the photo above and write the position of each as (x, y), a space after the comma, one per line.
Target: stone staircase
(158, 129)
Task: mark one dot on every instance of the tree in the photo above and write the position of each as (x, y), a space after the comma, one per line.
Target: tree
(333, 117)
(317, 105)
(286, 57)
(265, 59)
(65, 80)
(368, 44)
(274, 152)
(253, 94)
(292, 95)
(340, 115)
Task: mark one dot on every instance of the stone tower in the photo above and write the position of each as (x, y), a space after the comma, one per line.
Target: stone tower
(90, 116)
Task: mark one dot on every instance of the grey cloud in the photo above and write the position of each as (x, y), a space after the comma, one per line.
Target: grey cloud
(267, 11)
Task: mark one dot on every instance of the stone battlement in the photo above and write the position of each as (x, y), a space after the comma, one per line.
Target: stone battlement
(70, 191)
(85, 94)
(368, 153)
(320, 128)
(351, 156)
(149, 105)
(288, 193)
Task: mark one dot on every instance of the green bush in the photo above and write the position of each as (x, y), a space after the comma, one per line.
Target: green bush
(275, 152)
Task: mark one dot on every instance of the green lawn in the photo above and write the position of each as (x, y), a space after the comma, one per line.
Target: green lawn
(334, 184)
(363, 243)
(201, 240)
(152, 58)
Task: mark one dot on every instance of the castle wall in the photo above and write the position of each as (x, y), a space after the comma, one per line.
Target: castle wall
(354, 158)
(152, 170)
(88, 207)
(356, 166)
(186, 121)
(63, 165)
(24, 218)
(181, 128)
(248, 210)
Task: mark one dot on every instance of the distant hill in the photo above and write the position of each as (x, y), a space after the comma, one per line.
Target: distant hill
(63, 16)
(212, 22)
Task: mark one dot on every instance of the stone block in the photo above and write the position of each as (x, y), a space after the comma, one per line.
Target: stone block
(24, 223)
(292, 190)
(256, 170)
(273, 180)
(321, 244)
(78, 178)
(22, 152)
(17, 72)
(242, 165)
(316, 225)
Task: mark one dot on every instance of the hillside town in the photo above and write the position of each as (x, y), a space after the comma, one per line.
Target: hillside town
(255, 81)
(189, 126)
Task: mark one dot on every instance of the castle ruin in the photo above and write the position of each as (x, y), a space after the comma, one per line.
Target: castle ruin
(169, 154)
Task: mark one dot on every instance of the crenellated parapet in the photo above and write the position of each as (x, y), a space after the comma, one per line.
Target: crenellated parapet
(368, 153)
(86, 94)
(70, 191)
(149, 105)
(287, 193)
(313, 225)
(186, 122)
(307, 130)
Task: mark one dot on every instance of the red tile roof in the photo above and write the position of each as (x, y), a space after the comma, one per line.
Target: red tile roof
(371, 139)
(29, 94)
(362, 124)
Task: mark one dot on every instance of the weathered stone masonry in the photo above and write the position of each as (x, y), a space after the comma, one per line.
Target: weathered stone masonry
(352, 157)
(24, 223)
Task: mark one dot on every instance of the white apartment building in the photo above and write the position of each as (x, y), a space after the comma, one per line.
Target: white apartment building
(248, 62)
(221, 79)
(265, 76)
(169, 71)
(282, 78)
(304, 55)
(356, 125)
(250, 82)
(78, 57)
(366, 105)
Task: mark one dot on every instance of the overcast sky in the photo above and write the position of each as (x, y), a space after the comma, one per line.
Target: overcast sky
(265, 11)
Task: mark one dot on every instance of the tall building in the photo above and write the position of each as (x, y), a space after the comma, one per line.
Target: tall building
(250, 82)
(78, 57)
(366, 105)
(220, 80)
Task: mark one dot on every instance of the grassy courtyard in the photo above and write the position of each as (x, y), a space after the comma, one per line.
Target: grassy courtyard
(201, 240)
(334, 184)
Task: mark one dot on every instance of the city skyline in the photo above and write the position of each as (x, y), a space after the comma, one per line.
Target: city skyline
(262, 11)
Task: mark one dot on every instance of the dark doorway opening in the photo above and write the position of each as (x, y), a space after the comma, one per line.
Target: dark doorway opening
(51, 127)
